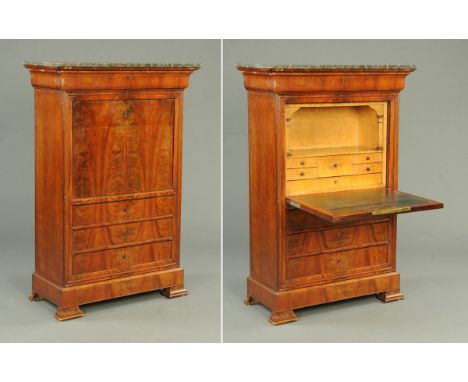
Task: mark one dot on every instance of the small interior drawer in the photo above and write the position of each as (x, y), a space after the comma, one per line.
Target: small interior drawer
(122, 259)
(101, 213)
(335, 165)
(301, 173)
(301, 162)
(366, 158)
(103, 237)
(335, 264)
(367, 168)
(316, 242)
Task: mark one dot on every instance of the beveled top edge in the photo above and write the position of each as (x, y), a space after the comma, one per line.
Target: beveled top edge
(109, 65)
(324, 68)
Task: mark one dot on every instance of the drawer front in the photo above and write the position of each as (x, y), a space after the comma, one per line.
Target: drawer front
(342, 183)
(367, 168)
(120, 211)
(337, 265)
(102, 237)
(367, 158)
(121, 260)
(301, 162)
(317, 242)
(305, 173)
(334, 166)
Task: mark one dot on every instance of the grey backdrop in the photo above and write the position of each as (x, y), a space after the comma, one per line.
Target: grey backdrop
(148, 317)
(432, 246)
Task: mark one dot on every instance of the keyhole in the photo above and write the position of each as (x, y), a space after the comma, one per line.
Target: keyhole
(367, 168)
(335, 165)
(301, 173)
(367, 158)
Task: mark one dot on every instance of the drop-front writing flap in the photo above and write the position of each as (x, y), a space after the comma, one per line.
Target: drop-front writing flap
(354, 205)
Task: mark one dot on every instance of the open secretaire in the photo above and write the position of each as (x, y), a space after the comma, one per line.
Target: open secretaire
(323, 154)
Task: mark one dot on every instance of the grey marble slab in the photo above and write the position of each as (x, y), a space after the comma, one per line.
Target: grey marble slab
(293, 67)
(65, 65)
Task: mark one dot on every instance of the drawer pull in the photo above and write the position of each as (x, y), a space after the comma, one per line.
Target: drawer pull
(301, 173)
(367, 168)
(368, 158)
(302, 163)
(335, 165)
(391, 210)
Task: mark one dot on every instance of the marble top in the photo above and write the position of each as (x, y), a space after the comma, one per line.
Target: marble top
(108, 65)
(325, 68)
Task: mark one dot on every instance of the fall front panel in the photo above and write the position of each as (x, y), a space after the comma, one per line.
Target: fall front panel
(122, 146)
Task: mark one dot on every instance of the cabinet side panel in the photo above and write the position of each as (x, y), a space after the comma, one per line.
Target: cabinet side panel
(263, 188)
(49, 199)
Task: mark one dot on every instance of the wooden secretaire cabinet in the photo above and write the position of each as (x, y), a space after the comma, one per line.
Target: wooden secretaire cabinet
(108, 141)
(323, 150)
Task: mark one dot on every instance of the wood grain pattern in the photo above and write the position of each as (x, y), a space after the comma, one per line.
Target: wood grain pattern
(262, 168)
(310, 295)
(322, 132)
(76, 295)
(122, 147)
(108, 183)
(102, 213)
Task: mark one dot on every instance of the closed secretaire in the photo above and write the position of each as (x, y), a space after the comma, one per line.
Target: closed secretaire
(108, 141)
(324, 196)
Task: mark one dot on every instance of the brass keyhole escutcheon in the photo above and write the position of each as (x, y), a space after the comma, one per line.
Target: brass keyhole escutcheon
(127, 113)
(302, 163)
(124, 210)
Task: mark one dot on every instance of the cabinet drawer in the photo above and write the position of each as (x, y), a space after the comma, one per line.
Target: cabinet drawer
(122, 146)
(337, 264)
(335, 165)
(312, 243)
(102, 213)
(93, 238)
(342, 183)
(367, 168)
(301, 162)
(121, 260)
(301, 173)
(367, 158)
